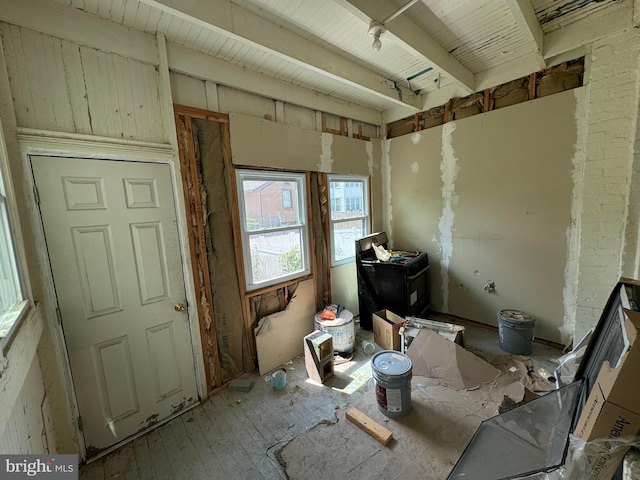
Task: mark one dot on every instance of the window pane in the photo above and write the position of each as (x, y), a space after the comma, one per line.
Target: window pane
(268, 206)
(347, 200)
(9, 286)
(345, 235)
(275, 254)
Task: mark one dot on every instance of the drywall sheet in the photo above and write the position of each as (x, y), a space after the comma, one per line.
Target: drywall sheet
(416, 198)
(489, 198)
(263, 143)
(279, 336)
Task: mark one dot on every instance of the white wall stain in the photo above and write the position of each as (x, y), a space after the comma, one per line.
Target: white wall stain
(571, 269)
(368, 146)
(326, 157)
(449, 168)
(415, 138)
(387, 213)
(415, 167)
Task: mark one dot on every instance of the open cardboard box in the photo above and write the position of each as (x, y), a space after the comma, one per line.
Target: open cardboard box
(386, 329)
(613, 406)
(612, 409)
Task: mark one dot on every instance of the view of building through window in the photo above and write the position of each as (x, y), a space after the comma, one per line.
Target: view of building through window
(274, 220)
(349, 201)
(10, 292)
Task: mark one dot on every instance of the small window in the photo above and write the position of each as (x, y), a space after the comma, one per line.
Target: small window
(274, 226)
(11, 297)
(349, 206)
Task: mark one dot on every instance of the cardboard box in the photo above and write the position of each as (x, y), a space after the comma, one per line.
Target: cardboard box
(386, 329)
(613, 407)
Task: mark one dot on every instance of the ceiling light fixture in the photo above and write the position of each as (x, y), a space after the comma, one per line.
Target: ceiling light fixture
(377, 28)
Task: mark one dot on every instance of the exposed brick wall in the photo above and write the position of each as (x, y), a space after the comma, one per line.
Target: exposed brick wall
(611, 127)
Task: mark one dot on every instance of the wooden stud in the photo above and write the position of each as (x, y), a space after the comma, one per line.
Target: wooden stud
(370, 426)
(324, 123)
(184, 110)
(447, 111)
(197, 245)
(416, 122)
(487, 104)
(268, 117)
(532, 85)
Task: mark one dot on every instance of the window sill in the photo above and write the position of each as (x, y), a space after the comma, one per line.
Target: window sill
(12, 327)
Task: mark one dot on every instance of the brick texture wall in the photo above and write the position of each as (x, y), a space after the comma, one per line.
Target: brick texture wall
(611, 129)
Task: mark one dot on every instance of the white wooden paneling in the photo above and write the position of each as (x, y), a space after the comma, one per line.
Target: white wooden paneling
(60, 86)
(232, 100)
(187, 90)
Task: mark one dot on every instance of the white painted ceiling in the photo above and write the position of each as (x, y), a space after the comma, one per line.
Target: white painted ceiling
(434, 49)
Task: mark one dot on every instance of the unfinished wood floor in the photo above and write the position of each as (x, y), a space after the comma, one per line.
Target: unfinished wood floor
(235, 435)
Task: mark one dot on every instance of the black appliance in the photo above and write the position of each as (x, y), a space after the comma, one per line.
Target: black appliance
(400, 284)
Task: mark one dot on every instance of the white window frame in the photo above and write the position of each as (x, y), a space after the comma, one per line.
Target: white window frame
(14, 313)
(262, 175)
(366, 209)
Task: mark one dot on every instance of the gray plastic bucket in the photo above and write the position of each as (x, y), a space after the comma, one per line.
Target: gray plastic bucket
(515, 329)
(392, 373)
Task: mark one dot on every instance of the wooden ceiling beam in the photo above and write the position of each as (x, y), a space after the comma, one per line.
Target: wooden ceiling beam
(403, 29)
(226, 18)
(525, 17)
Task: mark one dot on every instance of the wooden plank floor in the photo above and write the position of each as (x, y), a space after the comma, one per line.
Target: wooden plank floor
(236, 435)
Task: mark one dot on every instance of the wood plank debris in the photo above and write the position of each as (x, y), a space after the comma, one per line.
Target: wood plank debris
(369, 425)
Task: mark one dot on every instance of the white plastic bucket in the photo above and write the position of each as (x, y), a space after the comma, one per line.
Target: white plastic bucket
(341, 329)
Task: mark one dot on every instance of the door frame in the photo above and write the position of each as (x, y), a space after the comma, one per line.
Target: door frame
(55, 144)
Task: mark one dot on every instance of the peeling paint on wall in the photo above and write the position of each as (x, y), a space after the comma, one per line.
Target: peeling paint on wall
(326, 157)
(571, 270)
(387, 213)
(449, 168)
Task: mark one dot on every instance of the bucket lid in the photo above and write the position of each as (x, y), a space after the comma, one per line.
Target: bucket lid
(391, 362)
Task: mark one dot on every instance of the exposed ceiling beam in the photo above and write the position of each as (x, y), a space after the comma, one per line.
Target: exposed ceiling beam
(225, 18)
(525, 17)
(585, 31)
(199, 65)
(415, 39)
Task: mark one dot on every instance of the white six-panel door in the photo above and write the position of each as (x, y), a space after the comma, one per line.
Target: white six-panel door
(112, 239)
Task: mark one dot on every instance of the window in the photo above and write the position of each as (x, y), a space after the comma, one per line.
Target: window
(11, 298)
(349, 206)
(274, 226)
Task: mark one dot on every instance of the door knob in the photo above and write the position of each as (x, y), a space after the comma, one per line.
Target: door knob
(179, 307)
